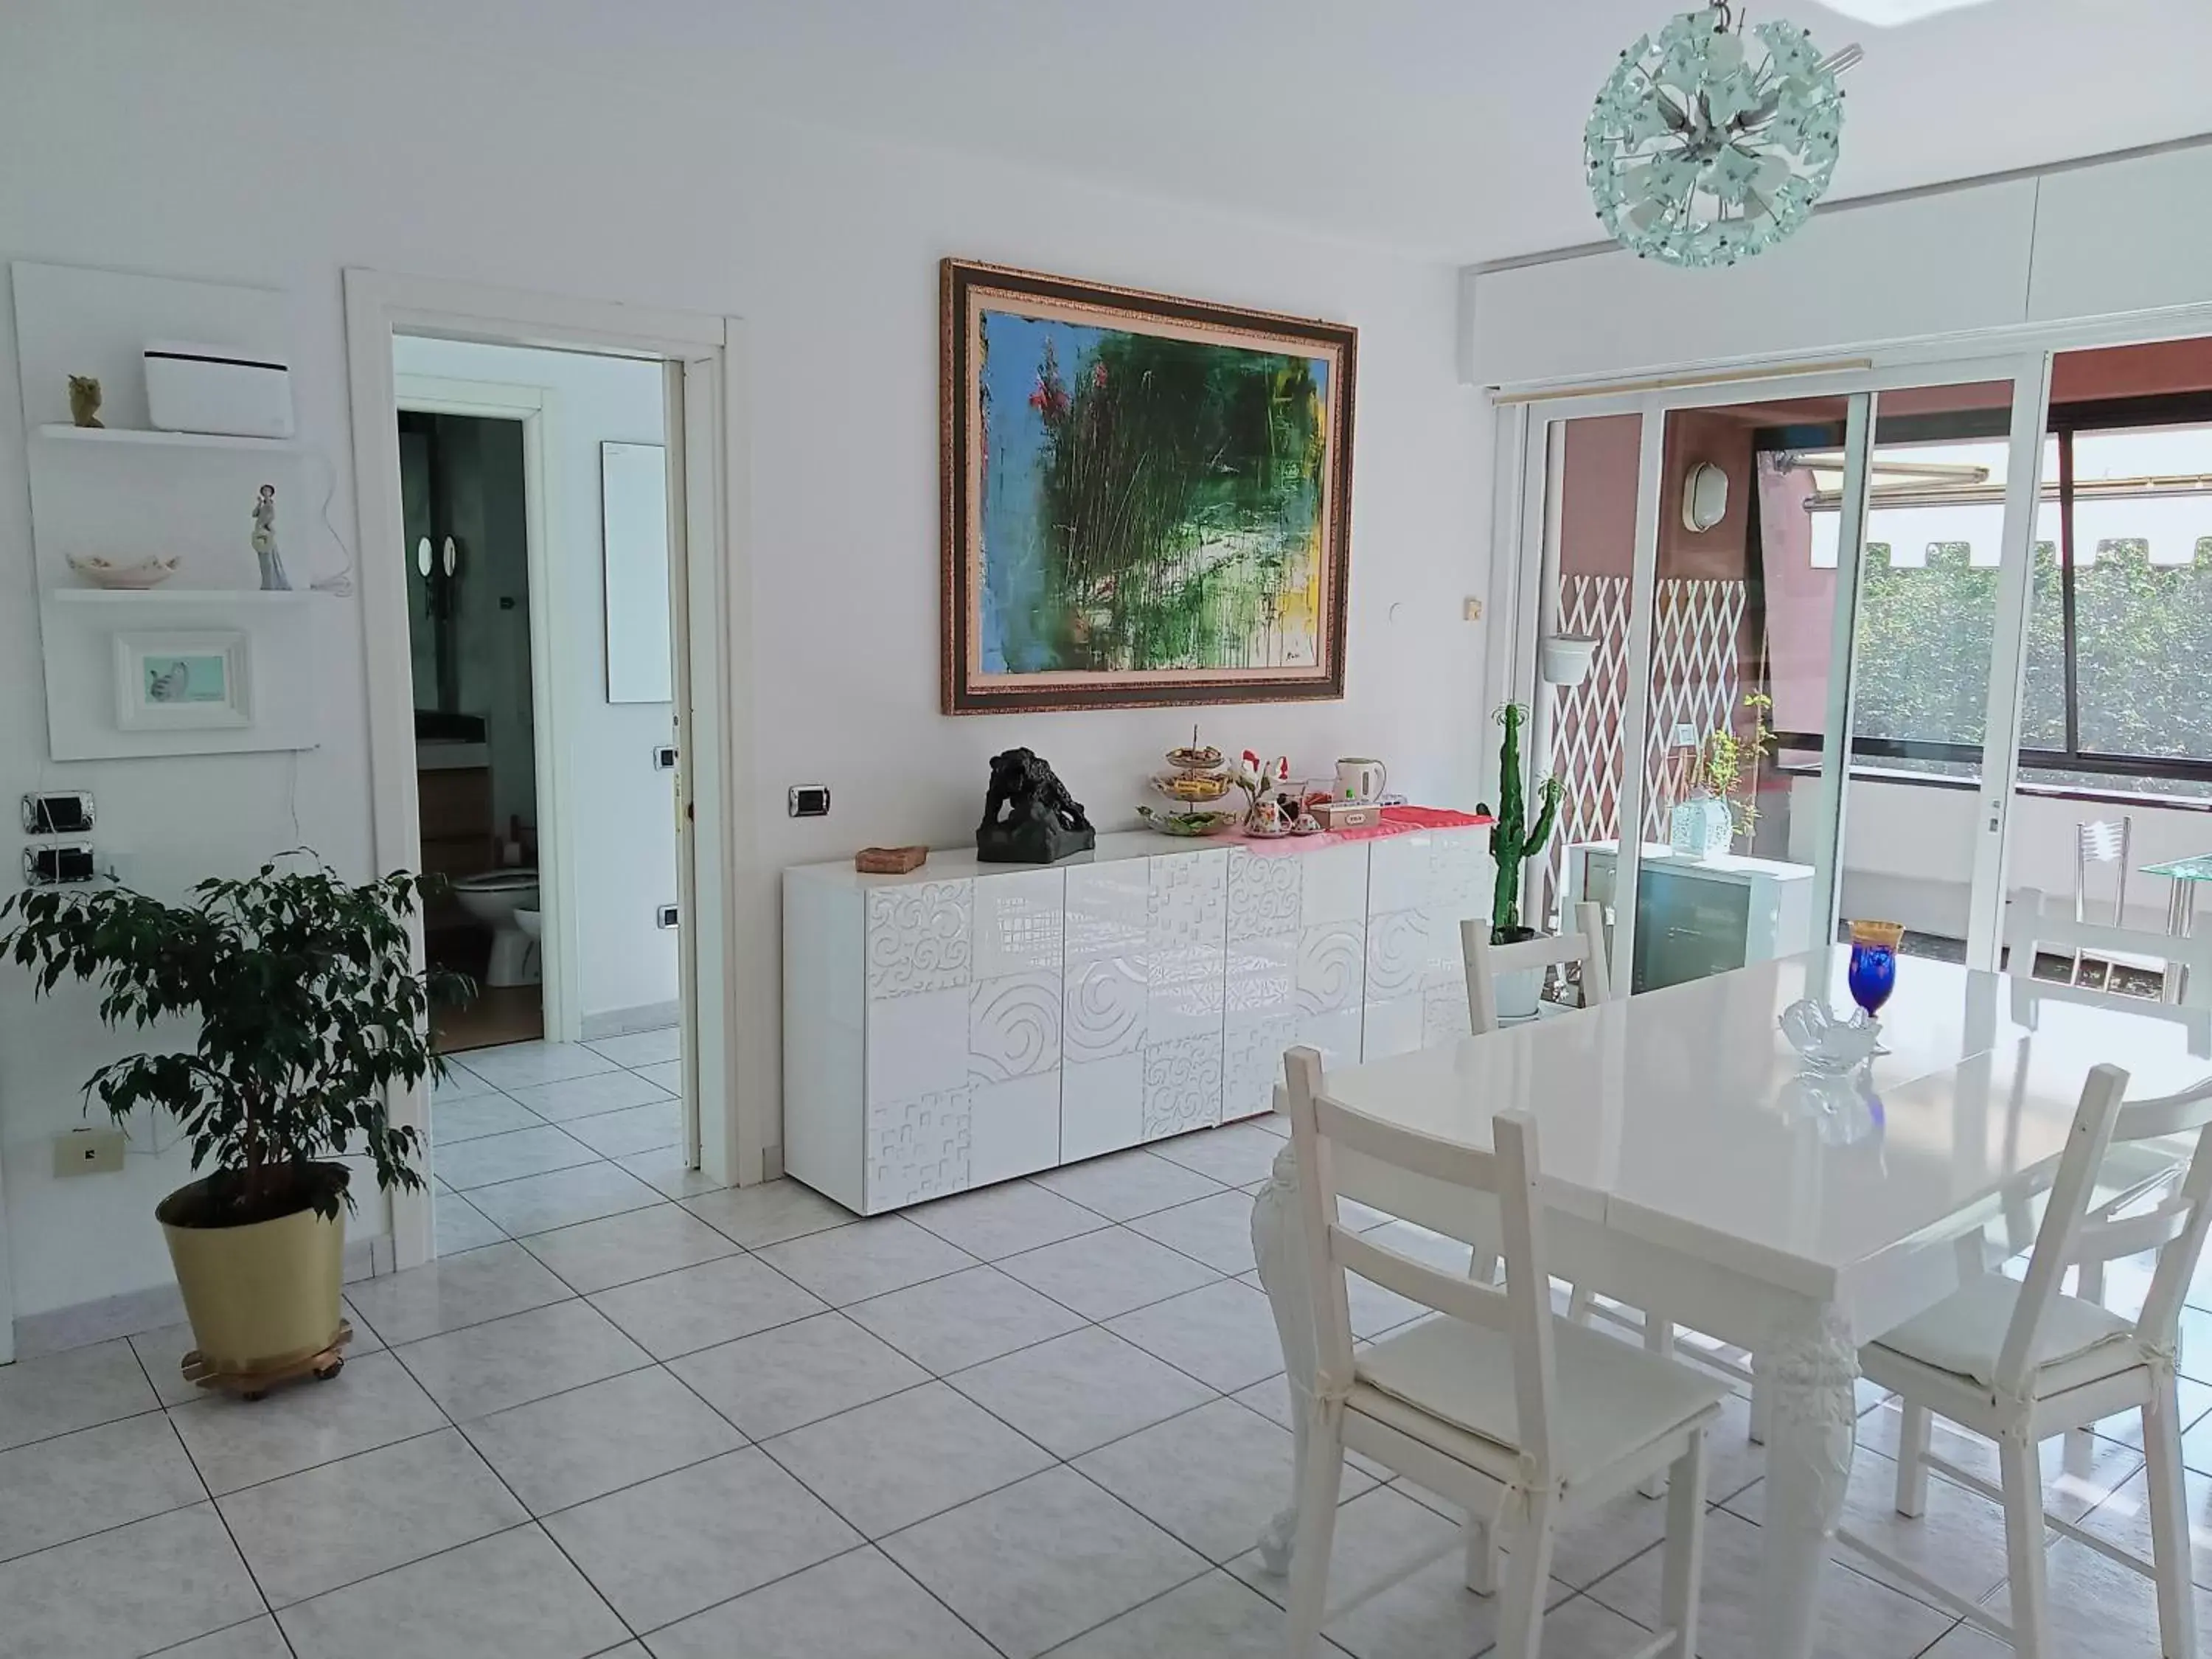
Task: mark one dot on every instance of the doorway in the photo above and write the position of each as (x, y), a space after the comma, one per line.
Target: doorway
(467, 551)
(721, 1004)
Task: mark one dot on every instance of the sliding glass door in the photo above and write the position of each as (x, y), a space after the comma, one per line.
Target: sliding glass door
(1824, 573)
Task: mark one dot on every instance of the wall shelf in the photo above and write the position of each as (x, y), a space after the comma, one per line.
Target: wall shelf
(140, 436)
(226, 596)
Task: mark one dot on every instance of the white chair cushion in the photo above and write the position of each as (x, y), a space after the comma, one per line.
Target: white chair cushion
(1612, 1400)
(1964, 1333)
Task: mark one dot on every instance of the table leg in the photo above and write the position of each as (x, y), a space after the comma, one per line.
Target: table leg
(2180, 922)
(1812, 1436)
(1276, 1246)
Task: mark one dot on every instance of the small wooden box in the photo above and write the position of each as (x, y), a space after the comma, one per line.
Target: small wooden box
(1348, 815)
(889, 860)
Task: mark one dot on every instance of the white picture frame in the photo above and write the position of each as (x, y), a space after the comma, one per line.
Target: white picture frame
(184, 681)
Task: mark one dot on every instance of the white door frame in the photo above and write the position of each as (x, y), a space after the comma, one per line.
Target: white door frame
(536, 408)
(2027, 371)
(734, 998)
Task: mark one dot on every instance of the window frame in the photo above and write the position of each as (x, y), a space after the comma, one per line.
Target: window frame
(2062, 422)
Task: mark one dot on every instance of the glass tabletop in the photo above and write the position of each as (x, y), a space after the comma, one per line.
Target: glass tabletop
(2196, 869)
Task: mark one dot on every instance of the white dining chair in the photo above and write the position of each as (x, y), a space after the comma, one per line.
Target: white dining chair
(2105, 843)
(1584, 949)
(2033, 919)
(1500, 1406)
(2019, 1362)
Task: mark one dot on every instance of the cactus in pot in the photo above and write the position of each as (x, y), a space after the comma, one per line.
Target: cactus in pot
(1513, 840)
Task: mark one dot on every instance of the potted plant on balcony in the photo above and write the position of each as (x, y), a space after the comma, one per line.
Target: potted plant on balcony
(1513, 841)
(310, 1006)
(1713, 814)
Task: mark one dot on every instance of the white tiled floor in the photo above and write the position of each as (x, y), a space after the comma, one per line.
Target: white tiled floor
(626, 1416)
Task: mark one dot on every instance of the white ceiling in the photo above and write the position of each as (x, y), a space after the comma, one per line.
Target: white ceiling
(1450, 126)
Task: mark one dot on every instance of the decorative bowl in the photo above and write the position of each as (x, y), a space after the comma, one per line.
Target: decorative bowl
(1826, 1043)
(1186, 823)
(107, 573)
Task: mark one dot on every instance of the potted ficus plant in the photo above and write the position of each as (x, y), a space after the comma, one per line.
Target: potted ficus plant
(310, 1007)
(1513, 841)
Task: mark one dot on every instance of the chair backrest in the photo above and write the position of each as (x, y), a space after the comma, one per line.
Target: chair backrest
(2064, 1216)
(2033, 918)
(2102, 841)
(2177, 1226)
(1584, 947)
(1319, 1128)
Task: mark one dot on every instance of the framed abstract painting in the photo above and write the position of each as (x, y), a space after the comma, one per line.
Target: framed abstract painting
(1147, 499)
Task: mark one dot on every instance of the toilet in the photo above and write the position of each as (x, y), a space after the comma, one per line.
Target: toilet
(500, 899)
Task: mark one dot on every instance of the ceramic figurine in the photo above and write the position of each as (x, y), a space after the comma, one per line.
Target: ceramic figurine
(1028, 816)
(273, 579)
(84, 400)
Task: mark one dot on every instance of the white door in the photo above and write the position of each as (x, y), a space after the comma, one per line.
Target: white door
(1713, 543)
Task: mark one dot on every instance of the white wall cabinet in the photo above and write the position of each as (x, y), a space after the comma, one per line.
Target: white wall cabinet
(970, 1023)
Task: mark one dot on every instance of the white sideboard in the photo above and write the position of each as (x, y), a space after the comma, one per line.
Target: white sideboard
(968, 1023)
(1696, 917)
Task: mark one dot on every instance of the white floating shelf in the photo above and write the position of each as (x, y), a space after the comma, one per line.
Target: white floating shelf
(142, 436)
(227, 597)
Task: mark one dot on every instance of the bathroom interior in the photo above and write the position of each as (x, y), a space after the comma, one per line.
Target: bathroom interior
(468, 587)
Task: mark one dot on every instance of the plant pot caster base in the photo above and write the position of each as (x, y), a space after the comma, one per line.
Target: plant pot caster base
(324, 1363)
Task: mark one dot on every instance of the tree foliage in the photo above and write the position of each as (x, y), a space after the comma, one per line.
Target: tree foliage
(310, 1007)
(2142, 634)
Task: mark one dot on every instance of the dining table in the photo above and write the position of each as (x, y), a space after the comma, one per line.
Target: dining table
(1695, 1166)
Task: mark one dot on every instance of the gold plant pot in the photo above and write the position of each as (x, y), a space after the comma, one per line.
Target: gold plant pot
(262, 1298)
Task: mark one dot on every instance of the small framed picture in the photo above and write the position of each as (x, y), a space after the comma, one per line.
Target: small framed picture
(182, 681)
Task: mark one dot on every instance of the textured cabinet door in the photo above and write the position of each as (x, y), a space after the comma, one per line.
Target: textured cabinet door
(1013, 1025)
(1267, 901)
(1105, 992)
(1331, 974)
(1186, 957)
(920, 968)
(1419, 888)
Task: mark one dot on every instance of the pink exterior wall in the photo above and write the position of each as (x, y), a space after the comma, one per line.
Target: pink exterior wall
(1597, 497)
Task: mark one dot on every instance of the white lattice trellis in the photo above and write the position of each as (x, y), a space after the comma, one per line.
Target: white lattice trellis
(1695, 679)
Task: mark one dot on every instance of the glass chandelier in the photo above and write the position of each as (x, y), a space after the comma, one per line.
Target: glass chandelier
(1697, 155)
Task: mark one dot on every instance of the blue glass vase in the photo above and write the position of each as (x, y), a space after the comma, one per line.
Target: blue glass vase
(1873, 974)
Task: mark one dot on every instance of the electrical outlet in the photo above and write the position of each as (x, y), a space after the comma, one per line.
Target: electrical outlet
(88, 1151)
(66, 813)
(809, 800)
(1685, 737)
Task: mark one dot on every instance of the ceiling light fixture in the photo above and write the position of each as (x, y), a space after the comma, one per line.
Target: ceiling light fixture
(1697, 155)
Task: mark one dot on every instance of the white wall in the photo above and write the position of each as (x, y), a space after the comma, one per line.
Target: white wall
(273, 144)
(619, 812)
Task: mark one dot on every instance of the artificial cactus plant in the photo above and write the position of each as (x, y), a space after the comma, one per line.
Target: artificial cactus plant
(1513, 840)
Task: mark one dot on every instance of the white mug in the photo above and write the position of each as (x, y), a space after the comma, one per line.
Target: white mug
(1359, 779)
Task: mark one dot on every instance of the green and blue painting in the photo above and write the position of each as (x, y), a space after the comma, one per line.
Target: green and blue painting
(1149, 505)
